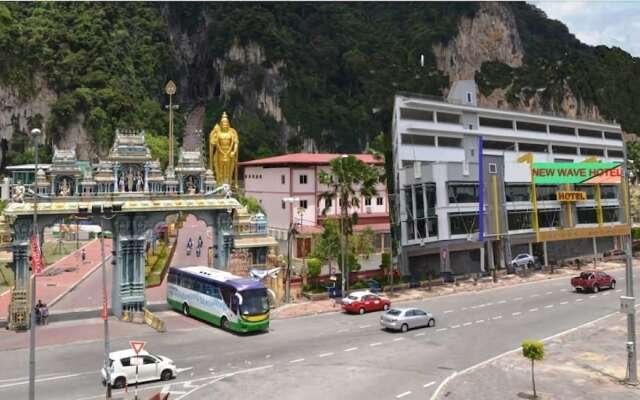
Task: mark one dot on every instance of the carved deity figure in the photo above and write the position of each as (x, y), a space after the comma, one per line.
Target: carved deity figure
(130, 183)
(191, 188)
(223, 151)
(65, 189)
(18, 193)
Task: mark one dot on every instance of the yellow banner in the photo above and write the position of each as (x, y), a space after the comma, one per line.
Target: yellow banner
(581, 233)
(571, 196)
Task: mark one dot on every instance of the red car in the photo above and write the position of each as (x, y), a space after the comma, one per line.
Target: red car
(361, 302)
(593, 280)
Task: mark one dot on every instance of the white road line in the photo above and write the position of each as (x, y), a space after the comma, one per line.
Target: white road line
(364, 326)
(479, 321)
(375, 344)
(549, 306)
(564, 302)
(455, 326)
(548, 293)
(579, 300)
(563, 290)
(447, 311)
(593, 296)
(533, 310)
(618, 290)
(488, 304)
(325, 355)
(501, 302)
(401, 395)
(516, 313)
(420, 334)
(463, 308)
(441, 329)
(426, 385)
(350, 349)
(467, 323)
(181, 370)
(606, 293)
(398, 339)
(53, 378)
(497, 317)
(343, 330)
(517, 298)
(534, 295)
(297, 360)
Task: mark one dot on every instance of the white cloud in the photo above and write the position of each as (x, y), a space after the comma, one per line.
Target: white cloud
(610, 23)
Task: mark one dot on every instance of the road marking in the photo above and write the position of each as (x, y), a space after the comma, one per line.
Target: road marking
(401, 395)
(219, 378)
(441, 329)
(447, 311)
(455, 326)
(398, 339)
(497, 317)
(325, 355)
(420, 334)
(375, 344)
(534, 295)
(579, 300)
(350, 349)
(516, 313)
(343, 330)
(564, 302)
(364, 326)
(548, 293)
(618, 290)
(517, 298)
(463, 308)
(426, 385)
(297, 360)
(479, 321)
(501, 302)
(180, 370)
(606, 293)
(563, 290)
(467, 323)
(488, 304)
(53, 378)
(593, 296)
(549, 306)
(533, 310)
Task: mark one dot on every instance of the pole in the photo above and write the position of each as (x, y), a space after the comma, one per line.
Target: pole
(632, 363)
(32, 331)
(342, 251)
(105, 311)
(288, 286)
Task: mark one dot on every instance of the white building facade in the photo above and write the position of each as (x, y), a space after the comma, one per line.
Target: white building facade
(449, 156)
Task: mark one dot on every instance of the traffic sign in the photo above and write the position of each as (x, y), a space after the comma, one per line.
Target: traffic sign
(137, 345)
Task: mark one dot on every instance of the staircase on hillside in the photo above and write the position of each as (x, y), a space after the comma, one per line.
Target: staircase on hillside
(193, 136)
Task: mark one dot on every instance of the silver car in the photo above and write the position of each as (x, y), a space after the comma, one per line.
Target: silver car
(403, 319)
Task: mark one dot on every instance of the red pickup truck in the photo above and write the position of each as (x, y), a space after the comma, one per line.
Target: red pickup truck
(593, 281)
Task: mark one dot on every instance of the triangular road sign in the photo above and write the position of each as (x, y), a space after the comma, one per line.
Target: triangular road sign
(137, 345)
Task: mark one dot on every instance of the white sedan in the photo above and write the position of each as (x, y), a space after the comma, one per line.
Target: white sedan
(150, 367)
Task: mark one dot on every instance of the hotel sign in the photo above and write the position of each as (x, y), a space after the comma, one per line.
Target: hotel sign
(571, 196)
(581, 233)
(561, 173)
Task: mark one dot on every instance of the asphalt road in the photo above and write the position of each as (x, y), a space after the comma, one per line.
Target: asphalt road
(331, 356)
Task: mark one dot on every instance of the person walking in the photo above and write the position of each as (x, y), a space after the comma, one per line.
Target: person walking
(84, 255)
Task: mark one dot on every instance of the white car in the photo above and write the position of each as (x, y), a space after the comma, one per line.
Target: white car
(523, 260)
(151, 367)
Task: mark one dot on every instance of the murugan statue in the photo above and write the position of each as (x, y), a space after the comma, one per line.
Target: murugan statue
(65, 189)
(223, 151)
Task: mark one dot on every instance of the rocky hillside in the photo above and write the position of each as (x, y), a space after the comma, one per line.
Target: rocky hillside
(293, 75)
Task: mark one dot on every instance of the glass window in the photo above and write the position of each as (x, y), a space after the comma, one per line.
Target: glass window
(498, 145)
(283, 205)
(588, 189)
(608, 191)
(463, 223)
(535, 147)
(587, 215)
(303, 179)
(589, 133)
(254, 301)
(611, 214)
(327, 202)
(562, 130)
(444, 141)
(420, 115)
(549, 218)
(419, 201)
(379, 201)
(148, 360)
(126, 362)
(613, 135)
(367, 201)
(531, 126)
(283, 179)
(496, 123)
(448, 118)
(589, 151)
(546, 192)
(418, 140)
(615, 153)
(517, 192)
(564, 150)
(463, 192)
(408, 196)
(303, 204)
(519, 219)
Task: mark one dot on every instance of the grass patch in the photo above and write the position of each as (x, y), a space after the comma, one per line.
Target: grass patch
(6, 277)
(155, 264)
(54, 252)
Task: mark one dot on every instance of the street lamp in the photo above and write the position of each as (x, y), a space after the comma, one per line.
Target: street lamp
(632, 366)
(290, 232)
(343, 243)
(35, 133)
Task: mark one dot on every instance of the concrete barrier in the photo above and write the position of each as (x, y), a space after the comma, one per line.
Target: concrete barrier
(154, 321)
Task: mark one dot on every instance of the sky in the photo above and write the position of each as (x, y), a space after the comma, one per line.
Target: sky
(610, 23)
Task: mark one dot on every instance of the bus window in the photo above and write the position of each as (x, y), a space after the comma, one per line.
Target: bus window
(227, 293)
(172, 277)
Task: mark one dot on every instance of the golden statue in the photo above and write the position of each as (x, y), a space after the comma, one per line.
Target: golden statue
(223, 151)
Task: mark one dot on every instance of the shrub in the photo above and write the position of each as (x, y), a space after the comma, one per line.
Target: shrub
(534, 351)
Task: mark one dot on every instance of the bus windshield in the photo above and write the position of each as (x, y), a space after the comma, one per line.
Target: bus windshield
(254, 301)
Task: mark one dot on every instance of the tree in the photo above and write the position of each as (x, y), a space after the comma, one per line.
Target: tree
(327, 247)
(314, 266)
(252, 204)
(348, 181)
(534, 351)
(159, 147)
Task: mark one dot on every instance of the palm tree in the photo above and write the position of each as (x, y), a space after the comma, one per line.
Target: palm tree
(348, 181)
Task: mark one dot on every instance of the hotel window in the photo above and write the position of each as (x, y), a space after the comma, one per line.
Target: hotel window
(608, 191)
(283, 205)
(562, 130)
(496, 123)
(303, 203)
(517, 192)
(519, 219)
(409, 223)
(283, 179)
(613, 135)
(587, 215)
(444, 141)
(379, 201)
(530, 126)
(420, 115)
(549, 218)
(367, 201)
(418, 140)
(615, 153)
(303, 179)
(589, 189)
(546, 192)
(535, 147)
(588, 151)
(589, 133)
(564, 150)
(611, 214)
(498, 145)
(463, 223)
(448, 118)
(461, 192)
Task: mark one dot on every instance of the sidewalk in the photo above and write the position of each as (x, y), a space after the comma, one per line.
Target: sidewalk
(588, 363)
(56, 282)
(325, 306)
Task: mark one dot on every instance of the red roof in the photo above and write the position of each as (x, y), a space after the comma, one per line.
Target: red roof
(309, 159)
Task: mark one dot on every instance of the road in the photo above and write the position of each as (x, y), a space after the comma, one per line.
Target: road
(332, 356)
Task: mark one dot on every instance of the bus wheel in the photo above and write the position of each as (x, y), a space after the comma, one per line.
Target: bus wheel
(224, 322)
(185, 309)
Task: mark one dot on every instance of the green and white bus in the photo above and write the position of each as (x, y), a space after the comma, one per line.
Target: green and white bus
(219, 297)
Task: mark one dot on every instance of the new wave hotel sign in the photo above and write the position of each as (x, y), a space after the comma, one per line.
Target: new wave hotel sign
(576, 173)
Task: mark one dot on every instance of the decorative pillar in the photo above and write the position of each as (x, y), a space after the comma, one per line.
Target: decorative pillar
(19, 315)
(146, 177)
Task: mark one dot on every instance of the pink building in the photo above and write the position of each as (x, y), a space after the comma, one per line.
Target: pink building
(271, 180)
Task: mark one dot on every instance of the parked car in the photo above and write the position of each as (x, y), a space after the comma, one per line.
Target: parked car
(523, 260)
(361, 302)
(403, 319)
(151, 367)
(374, 286)
(593, 281)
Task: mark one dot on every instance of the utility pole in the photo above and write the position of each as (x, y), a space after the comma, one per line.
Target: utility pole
(290, 231)
(170, 89)
(105, 311)
(632, 363)
(32, 333)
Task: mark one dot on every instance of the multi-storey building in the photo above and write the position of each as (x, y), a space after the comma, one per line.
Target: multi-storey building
(296, 176)
(453, 158)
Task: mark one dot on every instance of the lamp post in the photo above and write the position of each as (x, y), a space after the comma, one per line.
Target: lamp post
(35, 133)
(632, 363)
(170, 89)
(343, 239)
(290, 232)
